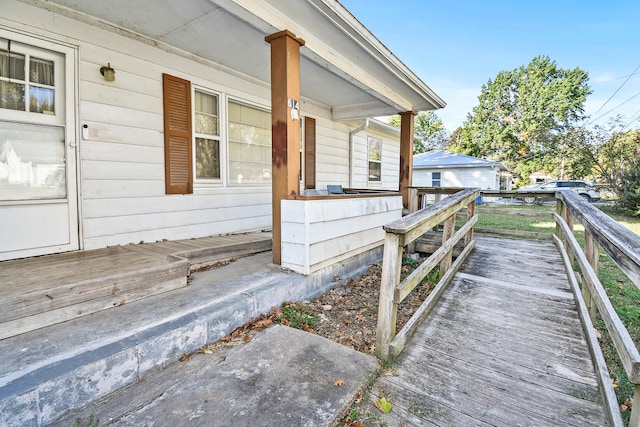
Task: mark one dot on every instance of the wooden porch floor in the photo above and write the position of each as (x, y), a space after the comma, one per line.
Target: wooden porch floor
(503, 347)
(40, 291)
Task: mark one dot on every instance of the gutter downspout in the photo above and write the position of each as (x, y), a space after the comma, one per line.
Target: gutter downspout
(351, 134)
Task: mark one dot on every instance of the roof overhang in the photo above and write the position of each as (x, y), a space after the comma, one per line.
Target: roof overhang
(344, 67)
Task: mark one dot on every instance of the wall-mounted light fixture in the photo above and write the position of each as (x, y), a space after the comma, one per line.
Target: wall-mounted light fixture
(108, 73)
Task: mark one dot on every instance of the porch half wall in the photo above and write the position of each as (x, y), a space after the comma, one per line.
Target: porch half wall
(320, 232)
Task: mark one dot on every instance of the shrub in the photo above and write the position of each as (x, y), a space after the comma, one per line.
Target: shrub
(629, 189)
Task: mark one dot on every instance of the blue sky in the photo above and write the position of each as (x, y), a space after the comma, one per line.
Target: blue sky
(456, 46)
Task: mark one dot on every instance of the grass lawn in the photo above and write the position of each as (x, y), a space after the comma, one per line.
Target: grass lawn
(623, 294)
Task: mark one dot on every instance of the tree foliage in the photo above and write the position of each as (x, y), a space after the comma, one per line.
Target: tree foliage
(629, 186)
(522, 113)
(429, 131)
(604, 152)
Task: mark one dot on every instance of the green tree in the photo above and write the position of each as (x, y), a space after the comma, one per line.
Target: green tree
(429, 131)
(604, 152)
(522, 113)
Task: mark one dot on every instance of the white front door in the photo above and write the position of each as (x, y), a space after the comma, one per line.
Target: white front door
(38, 187)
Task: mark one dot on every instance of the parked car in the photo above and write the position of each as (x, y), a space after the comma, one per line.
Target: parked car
(584, 189)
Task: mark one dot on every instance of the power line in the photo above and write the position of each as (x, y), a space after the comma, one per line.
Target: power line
(614, 93)
(631, 120)
(614, 108)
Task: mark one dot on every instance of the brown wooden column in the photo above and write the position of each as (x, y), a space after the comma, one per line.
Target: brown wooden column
(406, 155)
(285, 125)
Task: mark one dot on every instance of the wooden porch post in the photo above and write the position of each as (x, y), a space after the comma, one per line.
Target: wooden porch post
(406, 155)
(285, 125)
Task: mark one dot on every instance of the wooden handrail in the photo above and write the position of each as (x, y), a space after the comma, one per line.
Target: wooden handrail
(620, 243)
(623, 247)
(403, 232)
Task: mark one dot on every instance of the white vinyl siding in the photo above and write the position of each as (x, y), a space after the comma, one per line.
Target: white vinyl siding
(121, 173)
(484, 178)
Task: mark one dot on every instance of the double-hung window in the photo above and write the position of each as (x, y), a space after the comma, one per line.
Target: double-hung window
(436, 179)
(249, 144)
(375, 158)
(207, 136)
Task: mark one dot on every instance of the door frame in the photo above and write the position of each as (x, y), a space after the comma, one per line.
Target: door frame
(71, 132)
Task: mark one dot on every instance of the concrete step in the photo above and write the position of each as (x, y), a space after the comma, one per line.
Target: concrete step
(60, 368)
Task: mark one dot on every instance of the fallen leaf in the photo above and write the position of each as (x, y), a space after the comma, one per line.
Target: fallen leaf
(357, 424)
(338, 382)
(361, 318)
(185, 357)
(263, 323)
(247, 338)
(391, 372)
(383, 405)
(629, 403)
(623, 408)
(207, 351)
(122, 302)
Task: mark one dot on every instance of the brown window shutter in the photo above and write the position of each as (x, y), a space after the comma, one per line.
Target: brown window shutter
(177, 135)
(309, 153)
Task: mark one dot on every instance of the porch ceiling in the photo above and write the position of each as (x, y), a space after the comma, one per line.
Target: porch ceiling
(343, 65)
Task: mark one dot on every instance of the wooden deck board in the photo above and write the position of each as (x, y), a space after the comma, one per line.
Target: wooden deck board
(38, 291)
(504, 346)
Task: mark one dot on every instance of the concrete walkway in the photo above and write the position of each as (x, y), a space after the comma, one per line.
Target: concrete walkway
(284, 377)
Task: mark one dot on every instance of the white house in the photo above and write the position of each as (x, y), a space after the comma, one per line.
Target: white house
(123, 122)
(445, 169)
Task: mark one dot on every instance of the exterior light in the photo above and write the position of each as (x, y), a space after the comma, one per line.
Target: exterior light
(108, 73)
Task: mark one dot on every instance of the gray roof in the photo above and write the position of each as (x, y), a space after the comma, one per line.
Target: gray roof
(445, 159)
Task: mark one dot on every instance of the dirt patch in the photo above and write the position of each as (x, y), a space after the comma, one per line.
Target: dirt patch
(347, 314)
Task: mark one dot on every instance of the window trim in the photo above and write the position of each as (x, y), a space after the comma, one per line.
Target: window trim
(210, 182)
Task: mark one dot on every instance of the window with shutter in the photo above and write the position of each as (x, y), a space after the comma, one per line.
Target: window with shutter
(177, 135)
(309, 153)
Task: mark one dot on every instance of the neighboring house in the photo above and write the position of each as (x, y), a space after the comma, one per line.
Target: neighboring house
(444, 169)
(540, 176)
(123, 122)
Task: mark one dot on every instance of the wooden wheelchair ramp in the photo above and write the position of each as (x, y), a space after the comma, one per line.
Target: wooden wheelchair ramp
(503, 347)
